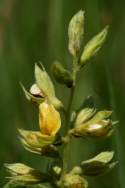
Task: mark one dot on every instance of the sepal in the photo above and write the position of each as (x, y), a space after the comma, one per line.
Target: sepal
(44, 82)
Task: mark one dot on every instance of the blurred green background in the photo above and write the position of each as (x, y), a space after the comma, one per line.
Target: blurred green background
(32, 31)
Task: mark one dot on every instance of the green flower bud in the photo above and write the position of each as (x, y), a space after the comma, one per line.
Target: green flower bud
(25, 174)
(99, 164)
(95, 126)
(62, 75)
(75, 32)
(93, 46)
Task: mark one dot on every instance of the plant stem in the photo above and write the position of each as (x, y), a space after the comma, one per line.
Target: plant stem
(68, 113)
(72, 91)
(66, 148)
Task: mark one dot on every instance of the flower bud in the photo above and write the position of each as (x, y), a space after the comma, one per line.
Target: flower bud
(75, 32)
(99, 164)
(93, 46)
(49, 119)
(73, 181)
(23, 173)
(62, 75)
(97, 130)
(96, 126)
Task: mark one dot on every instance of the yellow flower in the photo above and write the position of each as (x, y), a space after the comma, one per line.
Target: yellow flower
(49, 119)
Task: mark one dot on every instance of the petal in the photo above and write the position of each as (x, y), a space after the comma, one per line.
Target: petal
(49, 119)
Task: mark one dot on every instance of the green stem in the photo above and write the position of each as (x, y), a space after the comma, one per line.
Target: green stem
(66, 146)
(68, 113)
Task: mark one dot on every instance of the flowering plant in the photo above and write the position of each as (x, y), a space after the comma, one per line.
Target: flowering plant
(84, 122)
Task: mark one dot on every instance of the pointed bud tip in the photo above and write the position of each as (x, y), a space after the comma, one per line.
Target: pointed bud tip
(93, 46)
(76, 32)
(80, 14)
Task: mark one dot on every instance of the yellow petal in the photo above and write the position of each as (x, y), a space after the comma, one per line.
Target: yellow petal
(49, 119)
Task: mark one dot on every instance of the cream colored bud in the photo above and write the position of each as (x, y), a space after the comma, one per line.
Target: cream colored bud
(95, 126)
(75, 32)
(100, 129)
(18, 168)
(25, 174)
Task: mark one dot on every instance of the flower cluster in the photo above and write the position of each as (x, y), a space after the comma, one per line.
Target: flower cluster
(84, 122)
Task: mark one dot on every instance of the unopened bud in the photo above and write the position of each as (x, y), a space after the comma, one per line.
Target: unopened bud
(96, 126)
(98, 165)
(73, 181)
(75, 32)
(62, 75)
(93, 46)
(25, 174)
